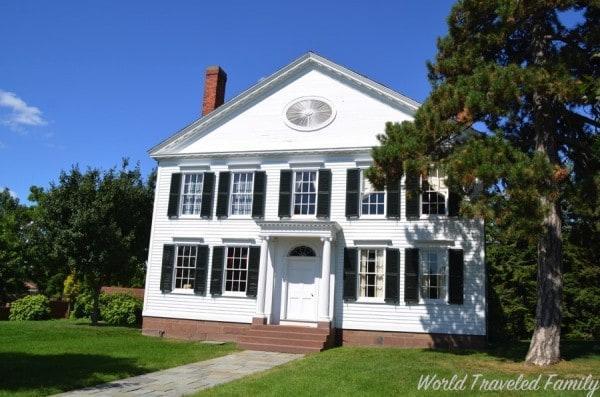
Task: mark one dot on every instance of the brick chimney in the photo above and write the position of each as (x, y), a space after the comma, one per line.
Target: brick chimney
(214, 89)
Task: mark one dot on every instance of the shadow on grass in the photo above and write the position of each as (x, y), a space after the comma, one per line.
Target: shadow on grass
(516, 351)
(61, 372)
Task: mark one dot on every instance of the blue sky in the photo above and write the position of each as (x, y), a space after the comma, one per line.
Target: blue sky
(89, 82)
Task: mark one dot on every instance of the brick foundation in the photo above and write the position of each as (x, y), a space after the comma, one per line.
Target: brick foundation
(349, 337)
(193, 329)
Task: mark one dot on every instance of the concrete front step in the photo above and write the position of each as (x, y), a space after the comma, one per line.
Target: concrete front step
(283, 334)
(320, 343)
(278, 348)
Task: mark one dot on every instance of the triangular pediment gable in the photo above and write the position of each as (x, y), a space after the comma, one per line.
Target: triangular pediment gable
(252, 121)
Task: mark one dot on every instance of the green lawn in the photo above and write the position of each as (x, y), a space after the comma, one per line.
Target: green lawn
(45, 357)
(394, 372)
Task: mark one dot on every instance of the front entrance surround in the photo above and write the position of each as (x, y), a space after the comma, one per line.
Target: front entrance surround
(272, 272)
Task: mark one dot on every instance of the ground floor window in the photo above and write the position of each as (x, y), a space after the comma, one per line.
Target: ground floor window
(433, 274)
(236, 269)
(371, 273)
(185, 266)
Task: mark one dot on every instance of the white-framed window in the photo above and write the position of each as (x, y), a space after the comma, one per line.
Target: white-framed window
(372, 201)
(371, 274)
(191, 194)
(242, 187)
(305, 193)
(433, 274)
(185, 266)
(236, 270)
(434, 194)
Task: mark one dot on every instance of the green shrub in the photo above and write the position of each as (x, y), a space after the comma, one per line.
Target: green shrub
(121, 309)
(82, 308)
(32, 307)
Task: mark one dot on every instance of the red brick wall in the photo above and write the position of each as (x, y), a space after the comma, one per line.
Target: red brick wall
(406, 339)
(192, 329)
(135, 292)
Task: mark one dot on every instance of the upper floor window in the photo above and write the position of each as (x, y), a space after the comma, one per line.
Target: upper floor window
(435, 192)
(241, 193)
(236, 269)
(371, 273)
(305, 192)
(372, 201)
(185, 266)
(433, 274)
(191, 196)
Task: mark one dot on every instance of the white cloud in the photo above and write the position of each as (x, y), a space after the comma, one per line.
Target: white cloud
(19, 114)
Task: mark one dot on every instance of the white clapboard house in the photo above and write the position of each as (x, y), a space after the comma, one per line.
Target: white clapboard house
(266, 232)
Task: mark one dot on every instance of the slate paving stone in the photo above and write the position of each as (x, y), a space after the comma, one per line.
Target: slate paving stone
(190, 378)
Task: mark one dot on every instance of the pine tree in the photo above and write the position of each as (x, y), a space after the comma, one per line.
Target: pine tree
(526, 73)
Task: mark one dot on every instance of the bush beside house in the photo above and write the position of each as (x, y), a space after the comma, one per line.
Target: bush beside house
(33, 307)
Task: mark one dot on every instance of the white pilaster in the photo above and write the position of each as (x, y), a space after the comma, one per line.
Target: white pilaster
(262, 277)
(325, 281)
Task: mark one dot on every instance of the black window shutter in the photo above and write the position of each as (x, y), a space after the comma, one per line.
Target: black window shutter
(175, 191)
(392, 276)
(253, 264)
(223, 194)
(412, 195)
(258, 195)
(393, 200)
(201, 266)
(285, 194)
(216, 276)
(453, 203)
(168, 260)
(352, 192)
(324, 194)
(208, 190)
(411, 275)
(456, 276)
(350, 268)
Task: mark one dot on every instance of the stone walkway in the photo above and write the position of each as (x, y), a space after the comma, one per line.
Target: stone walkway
(187, 379)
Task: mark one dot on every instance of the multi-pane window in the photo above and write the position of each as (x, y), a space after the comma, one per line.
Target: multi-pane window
(373, 201)
(433, 198)
(305, 192)
(236, 269)
(185, 266)
(371, 273)
(241, 193)
(191, 196)
(433, 274)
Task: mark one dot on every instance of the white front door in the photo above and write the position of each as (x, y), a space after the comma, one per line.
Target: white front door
(301, 289)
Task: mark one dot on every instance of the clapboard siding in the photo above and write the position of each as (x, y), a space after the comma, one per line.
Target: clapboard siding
(468, 318)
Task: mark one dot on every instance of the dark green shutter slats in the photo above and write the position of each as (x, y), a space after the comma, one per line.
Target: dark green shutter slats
(175, 191)
(253, 264)
(168, 260)
(285, 193)
(392, 276)
(456, 276)
(208, 190)
(201, 266)
(216, 275)
(350, 269)
(454, 200)
(223, 194)
(258, 195)
(324, 194)
(352, 192)
(393, 200)
(412, 195)
(411, 275)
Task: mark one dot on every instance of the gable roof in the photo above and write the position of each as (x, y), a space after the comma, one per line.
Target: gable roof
(408, 104)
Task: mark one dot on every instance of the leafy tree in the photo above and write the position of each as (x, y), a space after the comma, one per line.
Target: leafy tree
(100, 222)
(517, 70)
(13, 219)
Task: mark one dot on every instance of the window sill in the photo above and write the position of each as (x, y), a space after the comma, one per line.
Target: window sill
(183, 291)
(372, 217)
(380, 301)
(433, 302)
(433, 217)
(234, 295)
(237, 217)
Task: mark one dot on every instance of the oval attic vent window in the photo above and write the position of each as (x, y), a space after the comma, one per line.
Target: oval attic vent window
(309, 114)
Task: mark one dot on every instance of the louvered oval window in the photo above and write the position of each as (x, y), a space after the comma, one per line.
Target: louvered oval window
(308, 114)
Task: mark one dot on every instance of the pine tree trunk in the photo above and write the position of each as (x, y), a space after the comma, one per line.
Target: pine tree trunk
(545, 342)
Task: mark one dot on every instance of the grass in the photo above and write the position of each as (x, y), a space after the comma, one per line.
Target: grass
(386, 372)
(45, 357)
